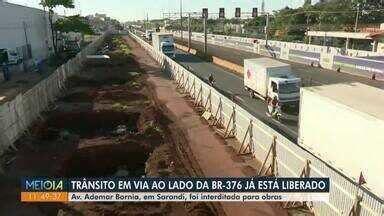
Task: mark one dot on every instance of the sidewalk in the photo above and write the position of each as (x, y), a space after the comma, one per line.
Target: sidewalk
(213, 157)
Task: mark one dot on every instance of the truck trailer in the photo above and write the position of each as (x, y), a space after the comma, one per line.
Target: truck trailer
(268, 78)
(343, 123)
(164, 42)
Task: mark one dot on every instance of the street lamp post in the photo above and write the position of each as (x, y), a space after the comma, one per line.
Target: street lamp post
(181, 19)
(189, 31)
(266, 29)
(205, 35)
(357, 16)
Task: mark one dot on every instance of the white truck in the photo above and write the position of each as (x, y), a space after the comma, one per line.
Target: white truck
(164, 42)
(343, 124)
(268, 78)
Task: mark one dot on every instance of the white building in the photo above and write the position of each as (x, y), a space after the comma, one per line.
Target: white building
(26, 30)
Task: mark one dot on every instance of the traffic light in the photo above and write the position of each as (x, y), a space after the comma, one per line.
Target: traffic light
(238, 12)
(205, 12)
(254, 12)
(221, 13)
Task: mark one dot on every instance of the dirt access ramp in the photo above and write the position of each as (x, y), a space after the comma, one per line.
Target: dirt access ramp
(211, 154)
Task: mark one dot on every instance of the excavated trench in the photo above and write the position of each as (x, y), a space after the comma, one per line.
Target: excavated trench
(93, 123)
(105, 125)
(107, 160)
(102, 149)
(99, 143)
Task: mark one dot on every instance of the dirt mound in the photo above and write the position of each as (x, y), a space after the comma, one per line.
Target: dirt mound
(120, 95)
(77, 97)
(78, 81)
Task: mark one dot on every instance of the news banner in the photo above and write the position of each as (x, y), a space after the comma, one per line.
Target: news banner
(174, 189)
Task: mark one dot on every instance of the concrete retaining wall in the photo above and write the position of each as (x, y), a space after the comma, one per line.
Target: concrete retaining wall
(17, 115)
(229, 65)
(186, 49)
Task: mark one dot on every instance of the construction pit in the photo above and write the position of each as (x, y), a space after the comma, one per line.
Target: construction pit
(106, 123)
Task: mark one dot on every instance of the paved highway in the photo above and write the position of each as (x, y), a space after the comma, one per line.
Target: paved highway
(233, 84)
(309, 75)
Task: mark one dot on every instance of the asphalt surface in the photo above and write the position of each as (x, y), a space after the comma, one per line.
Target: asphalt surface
(233, 85)
(310, 75)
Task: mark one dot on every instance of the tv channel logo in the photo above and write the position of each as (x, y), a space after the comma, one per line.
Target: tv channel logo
(43, 184)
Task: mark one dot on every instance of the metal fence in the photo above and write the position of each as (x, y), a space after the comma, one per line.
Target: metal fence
(17, 115)
(291, 159)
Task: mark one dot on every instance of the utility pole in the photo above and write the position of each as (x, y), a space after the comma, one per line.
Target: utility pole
(181, 19)
(189, 31)
(147, 21)
(263, 6)
(25, 32)
(205, 35)
(307, 28)
(144, 22)
(357, 16)
(25, 67)
(266, 29)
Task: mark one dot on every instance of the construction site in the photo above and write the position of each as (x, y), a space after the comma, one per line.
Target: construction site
(207, 109)
(122, 116)
(108, 122)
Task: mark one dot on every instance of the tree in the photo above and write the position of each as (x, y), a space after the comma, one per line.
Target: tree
(51, 4)
(73, 24)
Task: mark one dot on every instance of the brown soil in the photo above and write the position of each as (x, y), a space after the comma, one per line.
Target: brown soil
(122, 131)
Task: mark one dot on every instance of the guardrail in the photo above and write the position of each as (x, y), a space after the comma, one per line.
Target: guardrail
(286, 159)
(17, 115)
(301, 53)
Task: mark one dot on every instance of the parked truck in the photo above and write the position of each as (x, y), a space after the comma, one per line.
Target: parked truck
(164, 42)
(268, 78)
(343, 124)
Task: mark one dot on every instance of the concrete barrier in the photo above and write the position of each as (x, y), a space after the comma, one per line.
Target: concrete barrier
(186, 49)
(216, 60)
(17, 115)
(228, 65)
